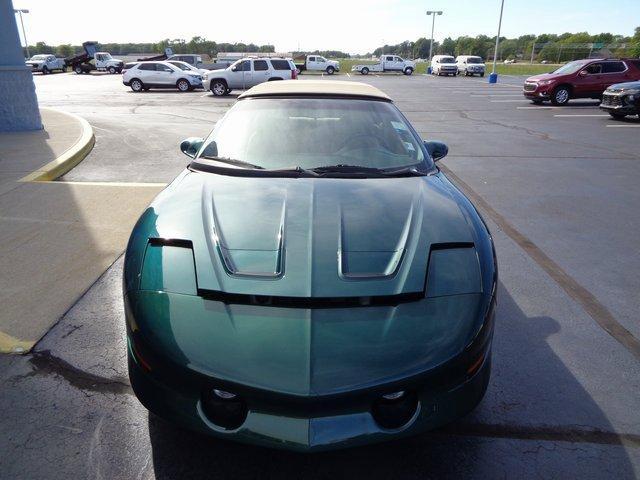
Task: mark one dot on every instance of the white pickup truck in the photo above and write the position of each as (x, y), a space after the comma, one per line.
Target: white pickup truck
(387, 63)
(46, 64)
(317, 63)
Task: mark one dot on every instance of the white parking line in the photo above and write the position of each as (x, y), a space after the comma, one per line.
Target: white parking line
(536, 108)
(348, 75)
(581, 115)
(496, 95)
(623, 126)
(507, 101)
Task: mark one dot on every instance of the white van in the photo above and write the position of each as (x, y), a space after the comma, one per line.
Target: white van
(470, 65)
(444, 65)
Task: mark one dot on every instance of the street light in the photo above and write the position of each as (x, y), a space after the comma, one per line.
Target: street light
(493, 78)
(20, 11)
(433, 23)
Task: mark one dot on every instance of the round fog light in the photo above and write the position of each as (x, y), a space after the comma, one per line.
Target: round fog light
(395, 410)
(224, 409)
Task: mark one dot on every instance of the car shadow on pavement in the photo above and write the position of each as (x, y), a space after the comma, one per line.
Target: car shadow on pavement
(511, 433)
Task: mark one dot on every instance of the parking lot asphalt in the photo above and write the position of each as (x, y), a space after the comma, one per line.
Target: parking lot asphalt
(558, 187)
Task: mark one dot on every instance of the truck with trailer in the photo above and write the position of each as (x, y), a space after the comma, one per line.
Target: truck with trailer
(316, 63)
(387, 63)
(91, 60)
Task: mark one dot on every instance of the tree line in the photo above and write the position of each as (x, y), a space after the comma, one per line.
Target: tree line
(549, 47)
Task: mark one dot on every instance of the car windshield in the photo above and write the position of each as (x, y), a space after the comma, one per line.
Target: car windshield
(309, 133)
(38, 57)
(447, 60)
(571, 67)
(474, 60)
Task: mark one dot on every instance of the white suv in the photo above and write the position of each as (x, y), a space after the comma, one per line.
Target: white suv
(247, 72)
(146, 75)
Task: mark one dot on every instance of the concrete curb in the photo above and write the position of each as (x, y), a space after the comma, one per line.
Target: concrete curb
(69, 159)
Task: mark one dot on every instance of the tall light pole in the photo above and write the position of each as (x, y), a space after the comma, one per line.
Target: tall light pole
(493, 78)
(20, 11)
(433, 23)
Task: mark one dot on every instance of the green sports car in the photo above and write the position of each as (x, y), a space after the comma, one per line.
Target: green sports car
(312, 280)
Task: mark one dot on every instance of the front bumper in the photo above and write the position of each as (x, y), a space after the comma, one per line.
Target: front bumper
(534, 91)
(173, 383)
(621, 103)
(303, 432)
(126, 83)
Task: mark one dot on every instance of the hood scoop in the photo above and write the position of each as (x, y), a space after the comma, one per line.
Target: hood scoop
(259, 256)
(363, 264)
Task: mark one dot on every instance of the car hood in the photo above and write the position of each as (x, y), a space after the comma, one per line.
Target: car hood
(310, 237)
(545, 76)
(621, 87)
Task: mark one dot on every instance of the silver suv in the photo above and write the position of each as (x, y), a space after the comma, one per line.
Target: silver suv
(247, 72)
(146, 75)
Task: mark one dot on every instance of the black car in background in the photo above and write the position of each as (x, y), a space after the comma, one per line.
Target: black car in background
(622, 99)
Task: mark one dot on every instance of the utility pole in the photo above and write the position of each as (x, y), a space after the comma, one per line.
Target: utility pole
(20, 11)
(433, 23)
(533, 49)
(493, 78)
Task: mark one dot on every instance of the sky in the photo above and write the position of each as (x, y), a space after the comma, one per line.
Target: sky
(352, 26)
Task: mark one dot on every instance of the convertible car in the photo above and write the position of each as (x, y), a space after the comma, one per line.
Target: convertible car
(312, 280)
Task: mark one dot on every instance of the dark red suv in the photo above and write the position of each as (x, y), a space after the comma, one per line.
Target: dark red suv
(580, 79)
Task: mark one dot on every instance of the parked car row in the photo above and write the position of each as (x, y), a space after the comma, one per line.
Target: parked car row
(242, 74)
(468, 65)
(615, 81)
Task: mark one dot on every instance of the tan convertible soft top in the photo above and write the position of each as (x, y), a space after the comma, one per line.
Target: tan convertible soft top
(314, 87)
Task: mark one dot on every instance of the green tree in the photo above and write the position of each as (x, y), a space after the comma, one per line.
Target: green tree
(64, 50)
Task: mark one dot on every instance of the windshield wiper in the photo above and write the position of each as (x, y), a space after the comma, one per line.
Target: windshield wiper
(342, 168)
(404, 172)
(233, 161)
(297, 169)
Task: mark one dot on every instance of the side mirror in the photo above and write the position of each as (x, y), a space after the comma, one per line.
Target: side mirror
(191, 145)
(437, 150)
(583, 73)
(233, 69)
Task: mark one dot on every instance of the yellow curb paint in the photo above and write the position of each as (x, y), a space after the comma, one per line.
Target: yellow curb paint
(108, 184)
(9, 344)
(69, 159)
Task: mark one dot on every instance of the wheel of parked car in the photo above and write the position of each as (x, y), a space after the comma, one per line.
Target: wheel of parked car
(45, 70)
(617, 116)
(364, 71)
(482, 74)
(183, 85)
(112, 70)
(219, 88)
(64, 69)
(137, 85)
(408, 71)
(77, 69)
(330, 70)
(560, 96)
